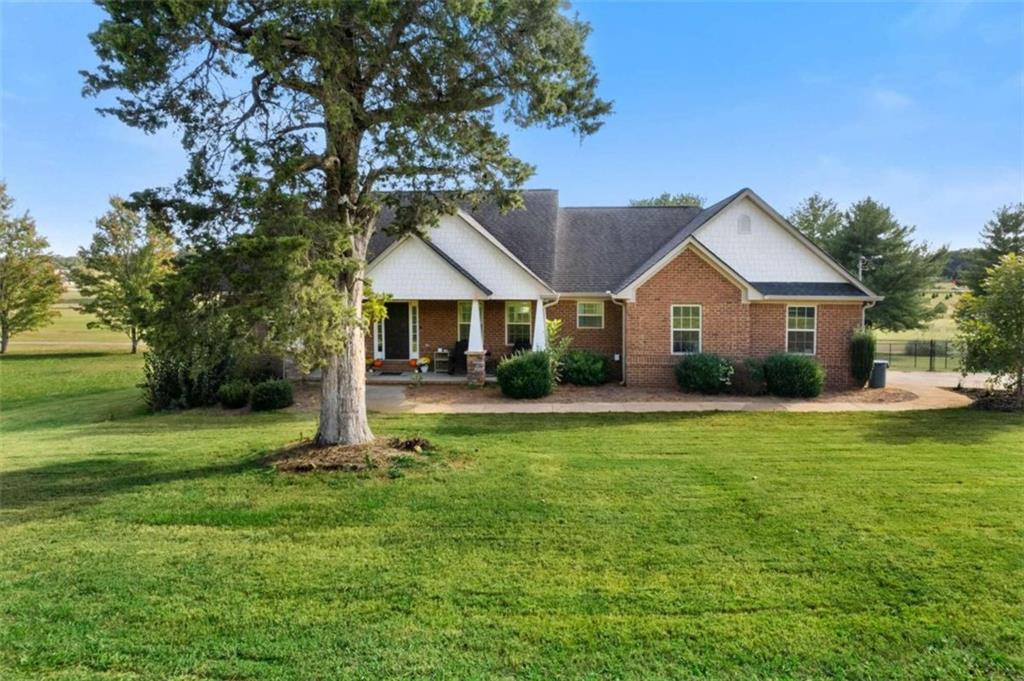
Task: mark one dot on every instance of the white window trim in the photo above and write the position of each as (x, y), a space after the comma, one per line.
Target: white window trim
(600, 303)
(459, 322)
(529, 325)
(671, 330)
(378, 339)
(814, 331)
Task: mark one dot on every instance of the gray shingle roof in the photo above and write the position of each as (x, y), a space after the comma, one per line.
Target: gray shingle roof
(801, 288)
(598, 249)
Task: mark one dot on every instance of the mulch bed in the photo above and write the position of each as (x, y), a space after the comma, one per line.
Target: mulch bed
(991, 400)
(383, 453)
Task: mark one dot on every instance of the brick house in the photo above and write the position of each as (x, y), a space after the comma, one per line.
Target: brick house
(642, 285)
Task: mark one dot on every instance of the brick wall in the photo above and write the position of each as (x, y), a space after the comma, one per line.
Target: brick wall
(607, 341)
(730, 327)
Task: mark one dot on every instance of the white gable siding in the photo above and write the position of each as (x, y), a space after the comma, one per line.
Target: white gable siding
(414, 271)
(765, 252)
(484, 260)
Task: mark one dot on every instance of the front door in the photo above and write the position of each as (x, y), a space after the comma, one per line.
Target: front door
(396, 331)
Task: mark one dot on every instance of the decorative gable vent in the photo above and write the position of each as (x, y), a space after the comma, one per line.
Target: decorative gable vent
(743, 224)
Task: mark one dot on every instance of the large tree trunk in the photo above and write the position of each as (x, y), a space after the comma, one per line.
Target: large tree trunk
(343, 388)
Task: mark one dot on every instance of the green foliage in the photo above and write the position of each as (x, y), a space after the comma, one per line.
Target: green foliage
(557, 345)
(748, 377)
(959, 261)
(303, 121)
(183, 380)
(270, 395)
(584, 367)
(29, 283)
(117, 273)
(862, 356)
(256, 368)
(1002, 235)
(990, 326)
(669, 199)
(704, 373)
(894, 265)
(819, 219)
(793, 376)
(234, 394)
(526, 375)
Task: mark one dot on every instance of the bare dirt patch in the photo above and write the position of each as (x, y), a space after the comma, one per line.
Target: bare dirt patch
(381, 454)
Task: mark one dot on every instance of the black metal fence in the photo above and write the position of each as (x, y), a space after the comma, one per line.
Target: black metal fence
(920, 355)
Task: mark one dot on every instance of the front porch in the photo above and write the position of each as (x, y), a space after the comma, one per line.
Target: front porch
(457, 340)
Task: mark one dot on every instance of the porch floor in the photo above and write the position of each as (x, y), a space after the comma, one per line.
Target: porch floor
(407, 377)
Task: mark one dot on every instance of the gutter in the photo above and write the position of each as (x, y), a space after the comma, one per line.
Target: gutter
(622, 304)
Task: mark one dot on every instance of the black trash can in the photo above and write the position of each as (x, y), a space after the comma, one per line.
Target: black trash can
(877, 379)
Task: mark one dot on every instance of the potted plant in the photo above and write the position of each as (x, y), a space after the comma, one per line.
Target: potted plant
(424, 364)
(378, 363)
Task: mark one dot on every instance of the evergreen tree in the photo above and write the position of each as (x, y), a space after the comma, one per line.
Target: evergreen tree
(118, 271)
(895, 266)
(29, 282)
(819, 219)
(1002, 235)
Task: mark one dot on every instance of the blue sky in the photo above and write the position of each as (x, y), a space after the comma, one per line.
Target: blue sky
(918, 105)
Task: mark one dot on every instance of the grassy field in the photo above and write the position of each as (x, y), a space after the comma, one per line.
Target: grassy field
(941, 328)
(69, 331)
(865, 546)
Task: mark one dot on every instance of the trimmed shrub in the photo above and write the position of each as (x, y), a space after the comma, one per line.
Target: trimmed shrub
(525, 375)
(182, 382)
(794, 376)
(234, 394)
(748, 377)
(270, 395)
(862, 356)
(583, 367)
(704, 373)
(257, 368)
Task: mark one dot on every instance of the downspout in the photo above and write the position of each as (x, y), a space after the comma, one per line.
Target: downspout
(863, 314)
(623, 342)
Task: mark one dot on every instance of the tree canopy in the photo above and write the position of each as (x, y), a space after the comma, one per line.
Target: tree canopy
(29, 282)
(669, 199)
(990, 325)
(867, 237)
(118, 271)
(304, 120)
(1002, 235)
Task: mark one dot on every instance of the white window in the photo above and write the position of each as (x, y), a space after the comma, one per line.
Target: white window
(414, 330)
(378, 338)
(685, 329)
(590, 314)
(466, 318)
(801, 329)
(518, 317)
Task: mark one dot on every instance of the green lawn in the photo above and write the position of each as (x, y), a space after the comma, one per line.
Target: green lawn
(738, 546)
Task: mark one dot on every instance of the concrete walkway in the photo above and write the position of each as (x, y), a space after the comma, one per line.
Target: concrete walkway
(932, 390)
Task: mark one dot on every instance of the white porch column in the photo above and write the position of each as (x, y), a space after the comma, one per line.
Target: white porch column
(540, 328)
(476, 361)
(476, 334)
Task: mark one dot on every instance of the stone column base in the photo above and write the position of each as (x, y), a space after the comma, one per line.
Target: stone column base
(475, 369)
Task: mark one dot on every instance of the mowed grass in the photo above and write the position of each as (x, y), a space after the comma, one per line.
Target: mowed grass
(69, 331)
(736, 546)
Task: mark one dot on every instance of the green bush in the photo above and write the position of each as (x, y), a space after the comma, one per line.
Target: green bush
(704, 373)
(270, 395)
(748, 377)
(256, 368)
(794, 376)
(862, 356)
(234, 394)
(583, 367)
(525, 375)
(175, 381)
